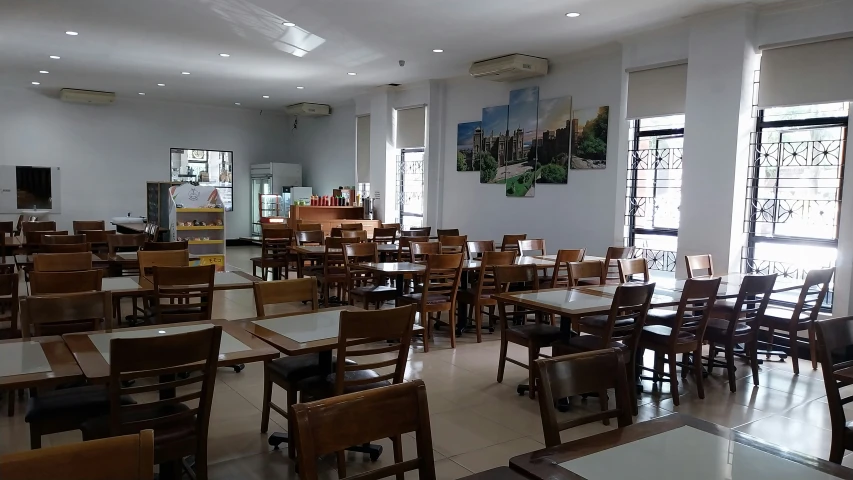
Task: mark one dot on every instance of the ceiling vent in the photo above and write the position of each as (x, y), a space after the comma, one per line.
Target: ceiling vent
(309, 110)
(87, 96)
(509, 68)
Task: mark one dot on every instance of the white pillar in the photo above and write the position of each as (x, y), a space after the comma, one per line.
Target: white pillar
(433, 155)
(722, 61)
(382, 159)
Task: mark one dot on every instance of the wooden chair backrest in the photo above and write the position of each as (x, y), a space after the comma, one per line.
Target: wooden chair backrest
(359, 234)
(752, 301)
(693, 311)
(447, 232)
(442, 275)
(703, 263)
(352, 226)
(9, 284)
(453, 243)
(149, 259)
(7, 233)
(525, 277)
(560, 276)
(630, 267)
(384, 235)
(333, 424)
(275, 244)
(62, 262)
(68, 313)
(813, 293)
(611, 267)
(125, 243)
(160, 246)
(183, 294)
(356, 254)
(476, 248)
(835, 352)
(417, 232)
(79, 225)
(193, 354)
(66, 248)
(60, 239)
(310, 237)
(293, 290)
(334, 264)
(571, 375)
(585, 270)
(336, 232)
(510, 242)
(128, 457)
(49, 226)
(308, 227)
(421, 250)
(630, 302)
(532, 247)
(97, 236)
(7, 228)
(404, 251)
(369, 330)
(55, 283)
(486, 283)
(37, 237)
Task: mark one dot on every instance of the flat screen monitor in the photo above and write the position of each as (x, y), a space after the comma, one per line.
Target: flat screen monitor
(34, 188)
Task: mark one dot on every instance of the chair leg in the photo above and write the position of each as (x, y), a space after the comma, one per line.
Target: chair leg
(603, 401)
(366, 303)
(730, 366)
(836, 451)
(753, 359)
(451, 316)
(770, 343)
(478, 322)
(35, 437)
(673, 378)
(532, 355)
(200, 466)
(342, 464)
(291, 424)
(265, 409)
(712, 353)
(685, 357)
(697, 371)
(812, 349)
(502, 359)
(11, 407)
(427, 324)
(657, 377)
(795, 355)
(631, 372)
(397, 442)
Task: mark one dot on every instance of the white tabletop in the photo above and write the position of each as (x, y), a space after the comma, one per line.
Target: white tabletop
(586, 258)
(721, 459)
(222, 279)
(110, 284)
(592, 299)
(305, 328)
(127, 255)
(227, 344)
(21, 358)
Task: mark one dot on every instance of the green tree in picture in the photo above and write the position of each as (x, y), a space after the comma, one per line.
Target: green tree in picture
(592, 141)
(553, 173)
(461, 162)
(488, 166)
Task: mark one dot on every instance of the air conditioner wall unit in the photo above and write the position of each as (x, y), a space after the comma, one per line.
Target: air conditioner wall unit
(91, 97)
(309, 110)
(510, 68)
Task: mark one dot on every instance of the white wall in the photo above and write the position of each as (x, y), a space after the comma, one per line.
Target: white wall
(325, 146)
(107, 153)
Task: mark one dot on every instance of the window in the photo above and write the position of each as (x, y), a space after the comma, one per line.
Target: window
(794, 189)
(205, 167)
(410, 187)
(652, 206)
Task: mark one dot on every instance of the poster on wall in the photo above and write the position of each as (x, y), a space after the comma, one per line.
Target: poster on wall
(493, 152)
(469, 141)
(589, 145)
(554, 140)
(519, 170)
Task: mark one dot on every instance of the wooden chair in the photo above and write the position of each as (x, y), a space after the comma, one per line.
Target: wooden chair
(611, 263)
(57, 283)
(620, 329)
(35, 226)
(65, 409)
(336, 232)
(62, 239)
(634, 266)
(685, 335)
(129, 457)
(404, 253)
(421, 250)
(160, 258)
(7, 239)
(532, 336)
(66, 248)
(160, 246)
(279, 292)
(447, 232)
(417, 232)
(98, 239)
(802, 317)
(453, 244)
(34, 240)
(531, 247)
(395, 226)
(309, 227)
(310, 237)
(834, 347)
(180, 429)
(79, 225)
(510, 242)
(9, 285)
(585, 273)
(351, 226)
(331, 425)
(360, 235)
(441, 283)
(384, 235)
(368, 331)
(560, 275)
(478, 247)
(740, 325)
(182, 294)
(125, 243)
(479, 295)
(703, 263)
(334, 269)
(62, 262)
(566, 376)
(275, 253)
(362, 283)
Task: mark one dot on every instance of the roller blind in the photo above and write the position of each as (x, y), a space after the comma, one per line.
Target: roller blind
(362, 148)
(808, 74)
(411, 128)
(657, 93)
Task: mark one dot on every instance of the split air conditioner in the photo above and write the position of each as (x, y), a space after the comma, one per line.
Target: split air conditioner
(509, 68)
(309, 110)
(86, 96)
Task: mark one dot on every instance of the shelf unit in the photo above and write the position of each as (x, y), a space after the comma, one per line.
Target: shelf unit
(206, 242)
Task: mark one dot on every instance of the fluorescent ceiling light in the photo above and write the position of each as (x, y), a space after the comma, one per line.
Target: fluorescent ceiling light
(161, 84)
(289, 24)
(351, 74)
(236, 103)
(438, 50)
(300, 88)
(43, 71)
(185, 73)
(55, 57)
(36, 83)
(73, 34)
(573, 14)
(142, 93)
(224, 55)
(266, 96)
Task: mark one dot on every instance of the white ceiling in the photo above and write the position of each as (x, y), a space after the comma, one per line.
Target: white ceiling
(129, 46)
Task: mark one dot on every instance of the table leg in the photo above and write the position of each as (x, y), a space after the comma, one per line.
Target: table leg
(398, 284)
(462, 307)
(300, 262)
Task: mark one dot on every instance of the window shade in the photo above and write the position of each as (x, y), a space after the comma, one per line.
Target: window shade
(657, 93)
(362, 149)
(808, 74)
(411, 128)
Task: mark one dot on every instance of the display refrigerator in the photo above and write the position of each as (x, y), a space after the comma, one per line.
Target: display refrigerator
(268, 179)
(294, 196)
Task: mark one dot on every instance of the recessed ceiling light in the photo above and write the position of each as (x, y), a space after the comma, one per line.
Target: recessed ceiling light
(289, 24)
(266, 96)
(437, 50)
(142, 93)
(351, 73)
(236, 103)
(36, 83)
(55, 57)
(573, 14)
(224, 55)
(300, 88)
(43, 71)
(73, 34)
(161, 84)
(185, 73)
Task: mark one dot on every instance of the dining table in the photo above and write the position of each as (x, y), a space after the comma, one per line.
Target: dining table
(36, 362)
(673, 447)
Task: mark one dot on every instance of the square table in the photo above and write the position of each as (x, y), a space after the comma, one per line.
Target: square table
(237, 345)
(673, 447)
(235, 280)
(36, 362)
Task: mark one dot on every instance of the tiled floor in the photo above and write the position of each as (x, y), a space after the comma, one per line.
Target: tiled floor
(476, 422)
